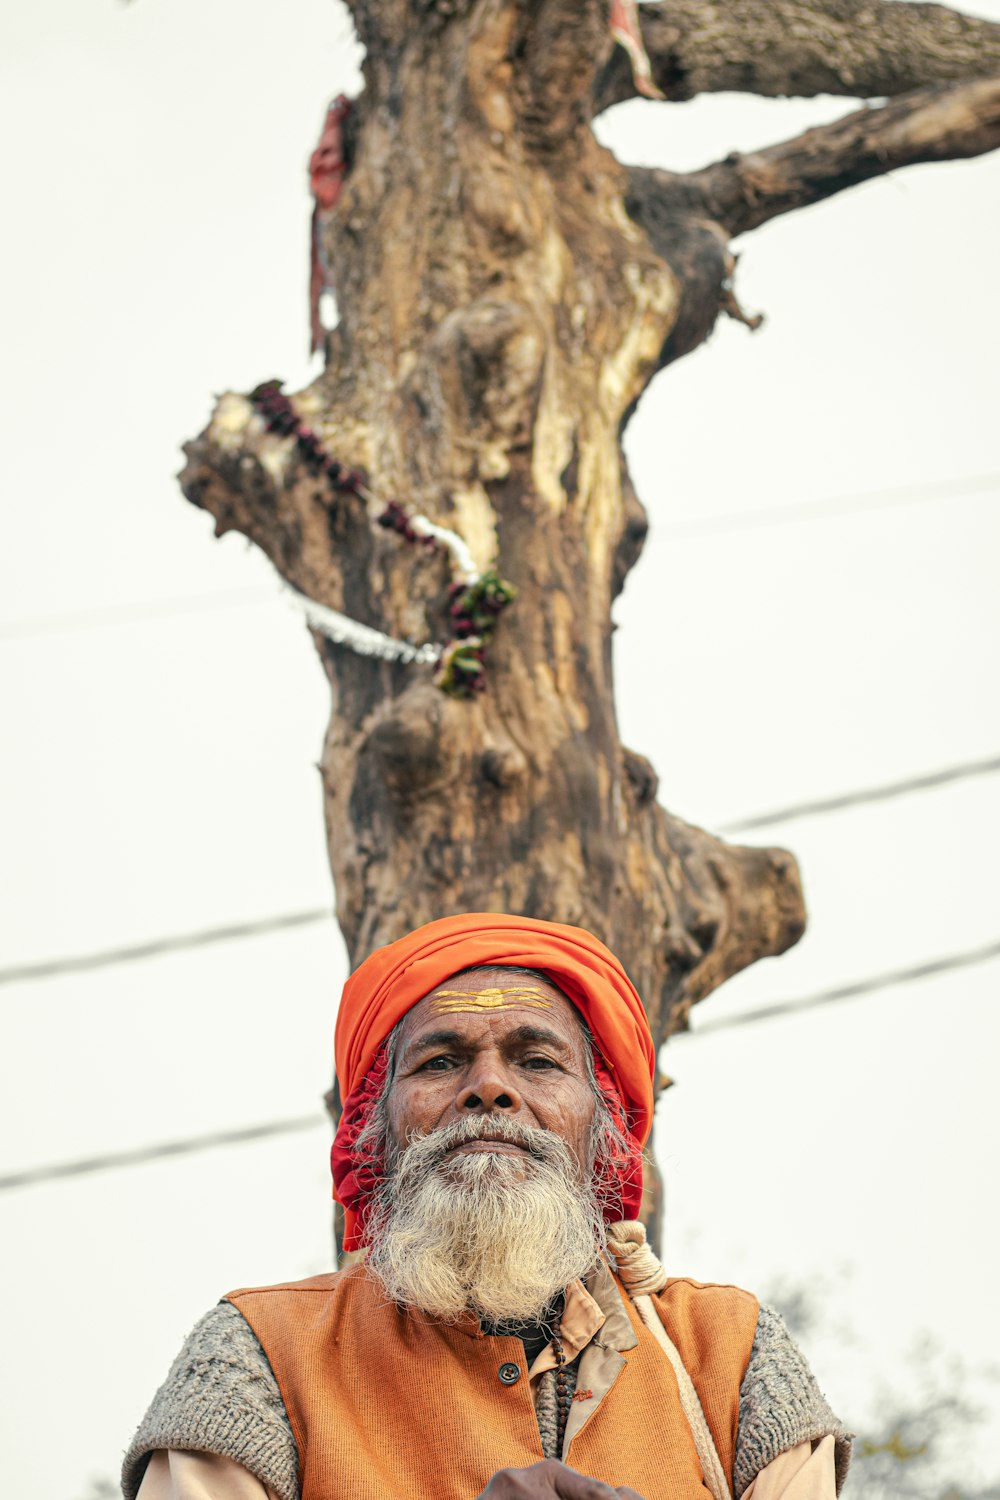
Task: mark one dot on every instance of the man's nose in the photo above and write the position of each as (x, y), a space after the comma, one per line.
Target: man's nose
(487, 1089)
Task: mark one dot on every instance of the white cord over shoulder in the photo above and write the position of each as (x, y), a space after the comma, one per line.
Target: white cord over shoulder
(642, 1273)
(638, 1267)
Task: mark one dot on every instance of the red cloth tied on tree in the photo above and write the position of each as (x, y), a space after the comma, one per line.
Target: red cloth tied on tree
(393, 979)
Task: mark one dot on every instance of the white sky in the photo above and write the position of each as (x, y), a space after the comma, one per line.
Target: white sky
(159, 772)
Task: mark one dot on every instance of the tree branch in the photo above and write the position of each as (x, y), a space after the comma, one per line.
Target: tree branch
(861, 48)
(743, 192)
(695, 249)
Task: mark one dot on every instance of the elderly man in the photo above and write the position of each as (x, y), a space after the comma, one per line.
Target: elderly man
(508, 1333)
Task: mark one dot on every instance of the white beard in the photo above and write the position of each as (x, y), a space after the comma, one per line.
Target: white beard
(488, 1231)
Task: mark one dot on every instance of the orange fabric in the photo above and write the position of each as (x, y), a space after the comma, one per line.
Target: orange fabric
(393, 979)
(704, 1322)
(385, 1401)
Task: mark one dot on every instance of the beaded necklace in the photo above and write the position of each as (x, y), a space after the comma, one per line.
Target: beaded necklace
(475, 600)
(564, 1400)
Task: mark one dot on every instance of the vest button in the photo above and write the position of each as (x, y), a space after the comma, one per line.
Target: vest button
(509, 1374)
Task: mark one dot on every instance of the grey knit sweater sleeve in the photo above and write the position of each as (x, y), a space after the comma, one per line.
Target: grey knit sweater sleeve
(220, 1396)
(781, 1405)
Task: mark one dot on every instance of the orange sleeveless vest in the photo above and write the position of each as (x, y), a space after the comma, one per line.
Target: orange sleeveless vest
(386, 1402)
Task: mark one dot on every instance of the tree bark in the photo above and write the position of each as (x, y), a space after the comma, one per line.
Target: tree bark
(944, 123)
(506, 291)
(865, 49)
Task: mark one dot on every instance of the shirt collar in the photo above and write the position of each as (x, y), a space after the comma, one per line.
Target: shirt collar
(592, 1307)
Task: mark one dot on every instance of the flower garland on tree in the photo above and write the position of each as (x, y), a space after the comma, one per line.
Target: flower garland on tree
(476, 599)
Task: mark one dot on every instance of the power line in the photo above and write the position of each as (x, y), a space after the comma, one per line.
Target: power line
(857, 987)
(775, 515)
(838, 505)
(187, 1147)
(123, 614)
(55, 1171)
(866, 794)
(79, 963)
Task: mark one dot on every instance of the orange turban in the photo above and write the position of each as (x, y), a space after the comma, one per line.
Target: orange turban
(393, 979)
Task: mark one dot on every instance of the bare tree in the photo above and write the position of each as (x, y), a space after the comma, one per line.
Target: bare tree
(506, 291)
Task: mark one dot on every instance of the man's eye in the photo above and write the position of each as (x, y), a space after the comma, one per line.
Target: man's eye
(537, 1063)
(435, 1064)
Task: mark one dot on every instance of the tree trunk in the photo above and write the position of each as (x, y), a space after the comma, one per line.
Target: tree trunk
(506, 290)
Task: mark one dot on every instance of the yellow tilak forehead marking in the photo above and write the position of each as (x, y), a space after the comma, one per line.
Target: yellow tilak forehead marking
(449, 1001)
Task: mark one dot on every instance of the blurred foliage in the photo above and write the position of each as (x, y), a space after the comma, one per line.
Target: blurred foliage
(911, 1455)
(913, 1439)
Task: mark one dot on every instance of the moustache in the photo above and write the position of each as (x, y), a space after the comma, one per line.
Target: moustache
(431, 1148)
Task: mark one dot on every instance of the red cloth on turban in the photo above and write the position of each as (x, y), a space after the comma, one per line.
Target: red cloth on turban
(393, 979)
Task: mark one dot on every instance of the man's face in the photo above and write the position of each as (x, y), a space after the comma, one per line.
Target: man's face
(493, 1044)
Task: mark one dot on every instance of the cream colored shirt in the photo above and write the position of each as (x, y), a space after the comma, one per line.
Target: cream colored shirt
(803, 1473)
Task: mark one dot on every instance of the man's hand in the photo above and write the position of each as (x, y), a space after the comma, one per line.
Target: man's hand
(551, 1480)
